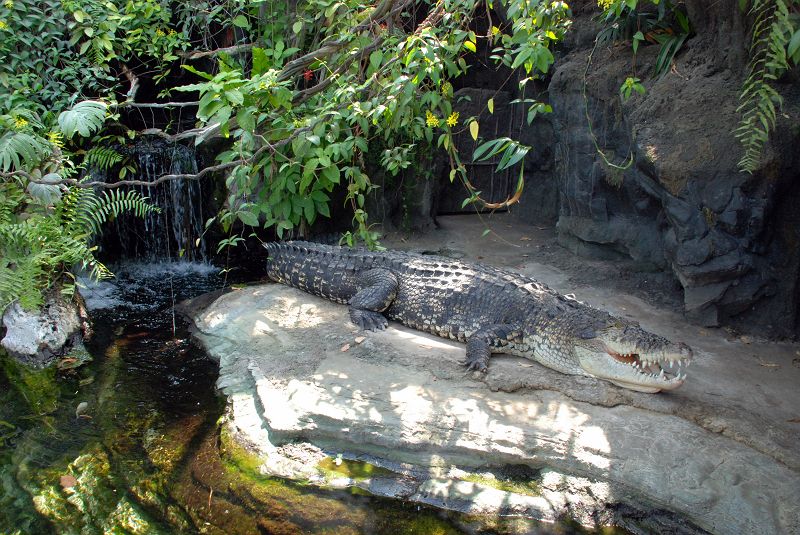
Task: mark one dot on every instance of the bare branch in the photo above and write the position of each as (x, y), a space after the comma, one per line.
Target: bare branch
(134, 81)
(201, 134)
(271, 147)
(304, 95)
(382, 11)
(228, 50)
(158, 104)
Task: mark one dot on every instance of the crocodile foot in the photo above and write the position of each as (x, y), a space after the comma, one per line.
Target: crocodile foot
(368, 320)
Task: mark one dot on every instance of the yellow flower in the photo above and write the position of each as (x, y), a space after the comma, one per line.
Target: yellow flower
(604, 4)
(160, 33)
(447, 89)
(171, 32)
(453, 119)
(56, 139)
(20, 123)
(9, 4)
(3, 25)
(495, 30)
(430, 119)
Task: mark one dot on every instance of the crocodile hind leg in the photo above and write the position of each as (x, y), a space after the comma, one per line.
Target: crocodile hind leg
(378, 289)
(483, 341)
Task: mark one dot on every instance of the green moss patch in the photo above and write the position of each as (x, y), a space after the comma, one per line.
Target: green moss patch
(357, 470)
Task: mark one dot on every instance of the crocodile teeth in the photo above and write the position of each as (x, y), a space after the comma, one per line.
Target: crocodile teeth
(670, 365)
(661, 374)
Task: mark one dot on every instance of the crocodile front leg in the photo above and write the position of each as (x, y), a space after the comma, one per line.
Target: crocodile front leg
(483, 341)
(378, 290)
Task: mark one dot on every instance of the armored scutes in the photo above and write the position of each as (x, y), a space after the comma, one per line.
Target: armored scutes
(492, 310)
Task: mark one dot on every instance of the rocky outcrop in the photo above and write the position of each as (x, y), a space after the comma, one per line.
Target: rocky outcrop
(307, 391)
(37, 338)
(730, 238)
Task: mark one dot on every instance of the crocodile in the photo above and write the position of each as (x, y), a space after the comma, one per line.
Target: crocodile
(490, 309)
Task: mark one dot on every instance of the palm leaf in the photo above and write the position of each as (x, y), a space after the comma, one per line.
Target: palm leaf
(85, 118)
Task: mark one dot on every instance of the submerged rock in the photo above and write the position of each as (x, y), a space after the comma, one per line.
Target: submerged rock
(304, 395)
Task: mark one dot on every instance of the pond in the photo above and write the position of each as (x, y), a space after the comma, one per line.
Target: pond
(129, 443)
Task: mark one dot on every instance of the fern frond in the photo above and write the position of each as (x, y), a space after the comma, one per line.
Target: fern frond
(759, 101)
(39, 249)
(102, 158)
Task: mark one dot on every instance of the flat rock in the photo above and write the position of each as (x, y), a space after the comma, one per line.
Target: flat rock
(400, 399)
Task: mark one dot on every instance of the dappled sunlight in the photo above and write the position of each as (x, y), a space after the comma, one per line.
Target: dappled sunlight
(212, 321)
(260, 328)
(411, 405)
(592, 447)
(289, 314)
(422, 340)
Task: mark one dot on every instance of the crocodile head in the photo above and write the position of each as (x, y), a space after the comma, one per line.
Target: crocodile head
(622, 352)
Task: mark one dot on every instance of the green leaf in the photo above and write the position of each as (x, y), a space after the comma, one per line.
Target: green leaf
(234, 96)
(512, 155)
(332, 174)
(297, 26)
(241, 21)
(246, 119)
(375, 59)
(248, 218)
(322, 208)
(473, 129)
(469, 45)
(201, 74)
(261, 62)
(309, 210)
(490, 105)
(793, 50)
(46, 193)
(637, 37)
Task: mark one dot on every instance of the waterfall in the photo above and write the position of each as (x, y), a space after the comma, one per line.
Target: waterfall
(177, 231)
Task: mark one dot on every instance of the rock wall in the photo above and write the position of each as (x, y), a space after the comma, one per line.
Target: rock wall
(730, 238)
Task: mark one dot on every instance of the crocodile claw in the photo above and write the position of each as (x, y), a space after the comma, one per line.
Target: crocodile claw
(368, 320)
(475, 365)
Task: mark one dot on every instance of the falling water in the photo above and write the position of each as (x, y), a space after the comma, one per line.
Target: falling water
(177, 231)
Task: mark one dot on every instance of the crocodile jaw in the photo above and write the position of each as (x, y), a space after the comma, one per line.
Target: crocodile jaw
(651, 372)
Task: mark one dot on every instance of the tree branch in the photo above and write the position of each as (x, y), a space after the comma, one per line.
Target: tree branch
(157, 104)
(383, 10)
(271, 147)
(227, 50)
(134, 81)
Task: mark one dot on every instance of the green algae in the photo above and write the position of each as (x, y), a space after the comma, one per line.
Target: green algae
(356, 470)
(525, 487)
(39, 388)
(237, 458)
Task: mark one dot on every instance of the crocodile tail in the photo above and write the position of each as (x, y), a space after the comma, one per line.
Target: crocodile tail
(310, 267)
